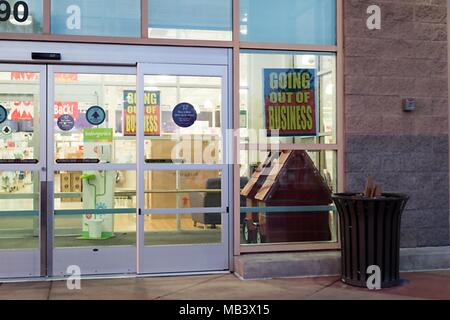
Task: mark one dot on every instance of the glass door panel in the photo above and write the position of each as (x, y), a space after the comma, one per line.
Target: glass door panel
(197, 142)
(93, 169)
(22, 102)
(183, 176)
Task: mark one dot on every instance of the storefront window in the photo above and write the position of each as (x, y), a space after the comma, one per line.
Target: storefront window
(286, 196)
(21, 16)
(194, 19)
(287, 100)
(118, 18)
(278, 75)
(288, 21)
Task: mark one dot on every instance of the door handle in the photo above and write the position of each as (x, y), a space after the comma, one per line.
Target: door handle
(73, 161)
(164, 161)
(19, 161)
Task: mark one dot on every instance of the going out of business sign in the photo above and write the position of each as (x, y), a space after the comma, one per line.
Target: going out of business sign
(290, 102)
(152, 113)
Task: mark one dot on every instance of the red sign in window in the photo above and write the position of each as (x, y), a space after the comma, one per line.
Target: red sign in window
(62, 107)
(24, 76)
(66, 76)
(22, 110)
(33, 76)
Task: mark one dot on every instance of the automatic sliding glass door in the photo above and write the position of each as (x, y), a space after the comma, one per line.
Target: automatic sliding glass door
(98, 174)
(183, 177)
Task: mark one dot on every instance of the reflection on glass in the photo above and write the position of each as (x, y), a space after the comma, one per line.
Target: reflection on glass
(200, 141)
(194, 19)
(170, 229)
(90, 117)
(288, 21)
(19, 225)
(290, 192)
(95, 193)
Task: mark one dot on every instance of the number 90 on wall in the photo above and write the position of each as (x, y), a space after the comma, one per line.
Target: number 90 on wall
(19, 11)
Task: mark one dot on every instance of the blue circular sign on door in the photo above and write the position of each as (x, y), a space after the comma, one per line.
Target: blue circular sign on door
(184, 115)
(65, 122)
(95, 115)
(3, 114)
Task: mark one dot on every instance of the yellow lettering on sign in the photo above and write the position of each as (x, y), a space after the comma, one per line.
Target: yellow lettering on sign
(290, 80)
(309, 117)
(290, 117)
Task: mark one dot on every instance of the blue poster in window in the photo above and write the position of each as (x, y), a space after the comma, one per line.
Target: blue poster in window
(290, 102)
(95, 115)
(184, 115)
(65, 122)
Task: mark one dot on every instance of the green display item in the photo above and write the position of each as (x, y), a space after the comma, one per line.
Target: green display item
(98, 190)
(88, 176)
(98, 135)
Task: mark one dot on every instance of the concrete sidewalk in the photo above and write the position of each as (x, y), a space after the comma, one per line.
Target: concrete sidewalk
(417, 285)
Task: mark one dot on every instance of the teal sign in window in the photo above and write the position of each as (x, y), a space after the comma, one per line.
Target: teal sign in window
(115, 18)
(310, 22)
(21, 16)
(193, 14)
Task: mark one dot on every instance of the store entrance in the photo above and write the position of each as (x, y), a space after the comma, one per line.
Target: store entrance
(112, 170)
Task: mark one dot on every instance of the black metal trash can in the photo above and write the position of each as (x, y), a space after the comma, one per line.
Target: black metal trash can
(370, 235)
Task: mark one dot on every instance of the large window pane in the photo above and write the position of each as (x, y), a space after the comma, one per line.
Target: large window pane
(194, 19)
(288, 21)
(22, 18)
(279, 75)
(96, 18)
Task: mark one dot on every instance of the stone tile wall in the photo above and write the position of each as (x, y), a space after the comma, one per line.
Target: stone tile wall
(405, 152)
